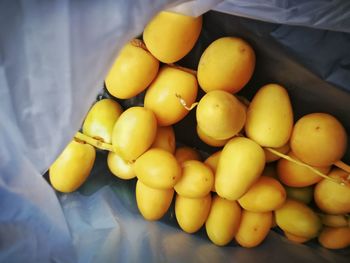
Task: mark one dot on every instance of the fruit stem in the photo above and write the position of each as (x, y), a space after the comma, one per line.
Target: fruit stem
(184, 104)
(94, 142)
(343, 166)
(138, 43)
(341, 182)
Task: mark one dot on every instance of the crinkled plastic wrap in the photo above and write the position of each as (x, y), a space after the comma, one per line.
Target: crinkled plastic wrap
(53, 59)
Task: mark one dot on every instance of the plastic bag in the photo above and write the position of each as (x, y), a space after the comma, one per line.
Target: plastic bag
(53, 58)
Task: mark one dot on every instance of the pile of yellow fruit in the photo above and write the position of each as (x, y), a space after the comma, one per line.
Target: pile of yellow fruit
(268, 171)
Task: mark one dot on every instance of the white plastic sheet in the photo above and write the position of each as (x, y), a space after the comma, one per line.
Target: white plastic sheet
(53, 58)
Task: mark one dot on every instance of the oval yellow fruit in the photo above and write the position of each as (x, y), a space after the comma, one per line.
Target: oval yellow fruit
(209, 140)
(220, 115)
(185, 153)
(153, 203)
(271, 157)
(298, 219)
(302, 194)
(223, 221)
(226, 64)
(266, 194)
(318, 139)
(134, 132)
(332, 197)
(240, 165)
(132, 71)
(164, 95)
(335, 237)
(270, 117)
(170, 36)
(72, 167)
(165, 139)
(295, 175)
(191, 213)
(196, 181)
(100, 120)
(254, 228)
(335, 220)
(157, 168)
(119, 167)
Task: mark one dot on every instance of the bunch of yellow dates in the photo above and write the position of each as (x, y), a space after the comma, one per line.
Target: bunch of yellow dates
(268, 171)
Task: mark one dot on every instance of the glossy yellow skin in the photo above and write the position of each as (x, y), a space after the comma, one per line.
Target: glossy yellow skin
(212, 161)
(185, 153)
(335, 237)
(191, 213)
(196, 181)
(220, 115)
(153, 203)
(240, 165)
(165, 139)
(295, 175)
(223, 221)
(100, 120)
(134, 132)
(132, 71)
(162, 95)
(119, 167)
(170, 36)
(298, 219)
(254, 228)
(335, 220)
(331, 197)
(271, 157)
(266, 194)
(72, 167)
(302, 194)
(157, 168)
(270, 117)
(209, 140)
(318, 139)
(227, 64)
(296, 239)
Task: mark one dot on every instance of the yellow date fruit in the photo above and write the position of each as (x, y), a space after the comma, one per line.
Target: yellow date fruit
(302, 194)
(196, 181)
(220, 115)
(335, 220)
(223, 221)
(191, 213)
(209, 140)
(100, 120)
(254, 228)
(266, 194)
(134, 132)
(164, 96)
(226, 64)
(240, 165)
(72, 167)
(170, 36)
(332, 197)
(212, 161)
(318, 139)
(185, 153)
(270, 117)
(132, 71)
(165, 139)
(335, 237)
(119, 167)
(157, 168)
(153, 203)
(298, 219)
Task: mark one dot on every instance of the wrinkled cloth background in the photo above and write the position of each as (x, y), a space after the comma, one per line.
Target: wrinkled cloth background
(53, 58)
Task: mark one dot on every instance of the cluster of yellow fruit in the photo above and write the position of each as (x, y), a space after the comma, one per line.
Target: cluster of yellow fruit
(239, 192)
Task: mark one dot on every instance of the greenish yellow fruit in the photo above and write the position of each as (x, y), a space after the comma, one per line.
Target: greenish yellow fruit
(153, 203)
(72, 167)
(132, 71)
(240, 165)
(191, 213)
(270, 117)
(119, 167)
(170, 36)
(157, 168)
(298, 219)
(100, 120)
(223, 221)
(226, 64)
(134, 132)
(220, 115)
